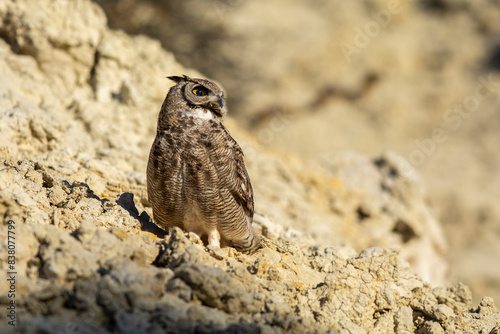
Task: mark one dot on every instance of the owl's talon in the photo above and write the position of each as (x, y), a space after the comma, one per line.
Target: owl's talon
(214, 239)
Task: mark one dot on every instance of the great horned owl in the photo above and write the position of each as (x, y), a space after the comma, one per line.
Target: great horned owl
(197, 179)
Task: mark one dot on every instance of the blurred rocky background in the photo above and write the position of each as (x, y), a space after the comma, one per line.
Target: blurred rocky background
(421, 78)
(340, 110)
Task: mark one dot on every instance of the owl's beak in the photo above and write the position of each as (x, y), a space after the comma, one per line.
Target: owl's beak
(220, 102)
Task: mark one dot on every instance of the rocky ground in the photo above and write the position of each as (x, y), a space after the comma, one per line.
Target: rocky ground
(418, 77)
(78, 108)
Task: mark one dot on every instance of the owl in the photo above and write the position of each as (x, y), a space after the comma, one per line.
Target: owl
(196, 176)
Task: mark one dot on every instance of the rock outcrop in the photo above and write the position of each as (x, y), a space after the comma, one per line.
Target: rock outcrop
(343, 237)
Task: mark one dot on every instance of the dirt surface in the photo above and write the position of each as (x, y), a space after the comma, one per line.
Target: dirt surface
(351, 243)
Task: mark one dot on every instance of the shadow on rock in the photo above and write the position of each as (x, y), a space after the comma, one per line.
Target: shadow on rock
(126, 201)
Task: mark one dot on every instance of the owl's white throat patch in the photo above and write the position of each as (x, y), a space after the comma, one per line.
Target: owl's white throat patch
(198, 113)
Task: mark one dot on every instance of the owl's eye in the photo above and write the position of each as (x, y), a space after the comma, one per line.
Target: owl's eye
(200, 91)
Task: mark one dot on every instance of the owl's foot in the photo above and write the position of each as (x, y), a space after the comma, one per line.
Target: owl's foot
(214, 239)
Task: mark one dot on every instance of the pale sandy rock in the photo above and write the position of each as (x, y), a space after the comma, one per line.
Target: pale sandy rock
(403, 320)
(213, 287)
(350, 200)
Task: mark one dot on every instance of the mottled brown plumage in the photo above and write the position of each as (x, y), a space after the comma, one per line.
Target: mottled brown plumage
(197, 178)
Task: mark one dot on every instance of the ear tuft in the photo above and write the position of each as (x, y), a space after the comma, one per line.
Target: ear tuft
(178, 79)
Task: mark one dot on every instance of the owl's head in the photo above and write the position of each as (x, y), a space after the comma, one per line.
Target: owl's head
(199, 94)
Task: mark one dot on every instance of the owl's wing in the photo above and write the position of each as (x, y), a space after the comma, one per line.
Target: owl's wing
(244, 195)
(230, 166)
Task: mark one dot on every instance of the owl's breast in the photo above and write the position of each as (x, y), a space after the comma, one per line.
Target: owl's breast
(193, 156)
